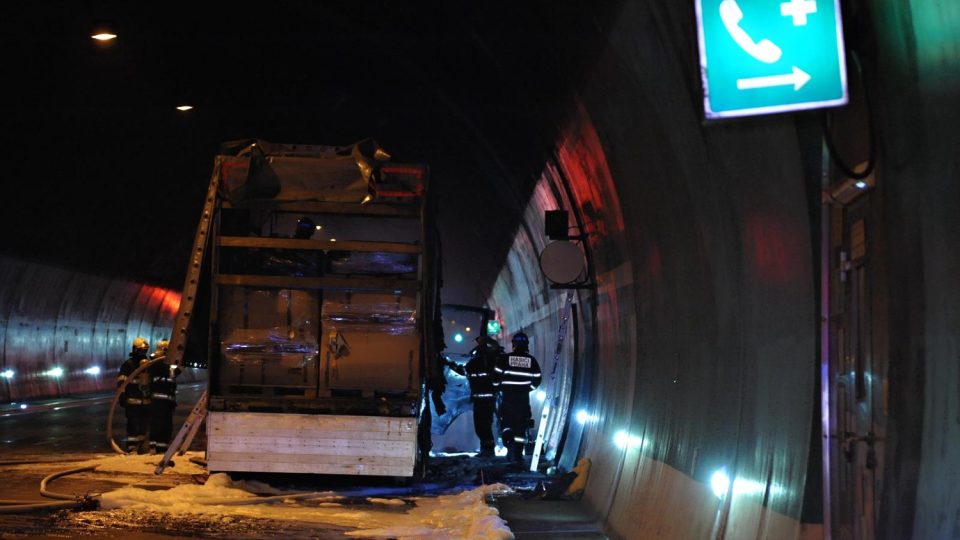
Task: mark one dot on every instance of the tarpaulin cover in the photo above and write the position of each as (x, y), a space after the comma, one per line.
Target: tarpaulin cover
(257, 170)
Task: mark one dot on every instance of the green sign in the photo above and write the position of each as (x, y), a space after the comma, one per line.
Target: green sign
(769, 56)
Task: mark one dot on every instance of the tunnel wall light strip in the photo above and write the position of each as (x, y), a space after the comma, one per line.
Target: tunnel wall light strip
(55, 372)
(95, 370)
(583, 417)
(720, 484)
(626, 441)
(7, 374)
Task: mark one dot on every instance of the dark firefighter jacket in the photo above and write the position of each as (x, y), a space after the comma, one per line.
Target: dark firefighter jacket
(516, 372)
(137, 391)
(163, 383)
(479, 373)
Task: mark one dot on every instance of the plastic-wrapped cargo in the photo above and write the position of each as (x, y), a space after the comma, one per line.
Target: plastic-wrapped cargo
(372, 343)
(268, 341)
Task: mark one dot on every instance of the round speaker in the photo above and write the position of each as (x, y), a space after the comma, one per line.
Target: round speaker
(562, 261)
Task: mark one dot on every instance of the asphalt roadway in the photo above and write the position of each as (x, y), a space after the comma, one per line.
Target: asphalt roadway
(57, 433)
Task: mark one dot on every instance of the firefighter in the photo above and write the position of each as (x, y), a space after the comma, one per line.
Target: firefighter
(479, 373)
(161, 349)
(516, 374)
(163, 399)
(136, 397)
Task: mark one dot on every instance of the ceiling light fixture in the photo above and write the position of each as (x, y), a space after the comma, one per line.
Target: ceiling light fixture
(184, 108)
(104, 36)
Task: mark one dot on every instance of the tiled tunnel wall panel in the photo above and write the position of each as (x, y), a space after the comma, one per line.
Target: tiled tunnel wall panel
(915, 79)
(54, 318)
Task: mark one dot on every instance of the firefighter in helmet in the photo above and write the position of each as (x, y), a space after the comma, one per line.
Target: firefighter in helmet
(479, 373)
(136, 396)
(163, 399)
(161, 349)
(516, 374)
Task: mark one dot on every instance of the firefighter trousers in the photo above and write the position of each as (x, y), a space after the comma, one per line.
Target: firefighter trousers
(138, 422)
(161, 424)
(515, 419)
(483, 409)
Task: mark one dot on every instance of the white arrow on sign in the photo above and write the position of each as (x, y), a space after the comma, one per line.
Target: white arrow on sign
(798, 78)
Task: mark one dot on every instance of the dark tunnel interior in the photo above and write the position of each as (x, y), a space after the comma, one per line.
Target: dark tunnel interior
(764, 344)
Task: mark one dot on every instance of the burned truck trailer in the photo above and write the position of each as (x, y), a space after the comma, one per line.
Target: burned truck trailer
(316, 309)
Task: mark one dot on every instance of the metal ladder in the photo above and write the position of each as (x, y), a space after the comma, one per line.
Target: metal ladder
(545, 413)
(178, 340)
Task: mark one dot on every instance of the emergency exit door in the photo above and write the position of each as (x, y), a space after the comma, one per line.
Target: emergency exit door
(858, 375)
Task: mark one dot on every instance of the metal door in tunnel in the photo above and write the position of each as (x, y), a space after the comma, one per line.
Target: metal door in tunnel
(857, 374)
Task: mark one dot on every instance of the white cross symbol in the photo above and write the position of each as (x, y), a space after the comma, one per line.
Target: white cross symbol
(798, 9)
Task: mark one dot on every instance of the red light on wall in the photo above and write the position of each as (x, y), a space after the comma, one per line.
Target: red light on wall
(171, 302)
(774, 250)
(584, 163)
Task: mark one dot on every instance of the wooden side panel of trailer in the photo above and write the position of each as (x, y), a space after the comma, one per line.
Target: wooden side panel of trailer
(315, 444)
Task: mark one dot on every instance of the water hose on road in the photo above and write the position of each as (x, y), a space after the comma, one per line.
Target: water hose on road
(8, 506)
(51, 477)
(66, 502)
(9, 462)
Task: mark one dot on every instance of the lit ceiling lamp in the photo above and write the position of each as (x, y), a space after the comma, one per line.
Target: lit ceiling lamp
(184, 108)
(104, 36)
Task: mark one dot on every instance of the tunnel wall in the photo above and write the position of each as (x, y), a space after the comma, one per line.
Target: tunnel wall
(699, 334)
(914, 74)
(701, 341)
(56, 318)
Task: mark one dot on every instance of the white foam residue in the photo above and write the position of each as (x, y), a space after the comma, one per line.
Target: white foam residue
(463, 515)
(389, 502)
(179, 499)
(144, 464)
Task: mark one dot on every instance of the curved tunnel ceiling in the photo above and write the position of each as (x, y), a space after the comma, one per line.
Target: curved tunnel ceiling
(696, 350)
(470, 90)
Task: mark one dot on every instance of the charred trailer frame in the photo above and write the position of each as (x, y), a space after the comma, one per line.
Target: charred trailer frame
(323, 292)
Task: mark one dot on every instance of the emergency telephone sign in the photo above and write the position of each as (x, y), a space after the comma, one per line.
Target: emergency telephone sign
(770, 56)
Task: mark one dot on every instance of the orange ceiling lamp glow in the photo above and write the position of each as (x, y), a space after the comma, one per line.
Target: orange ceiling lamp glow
(184, 107)
(104, 36)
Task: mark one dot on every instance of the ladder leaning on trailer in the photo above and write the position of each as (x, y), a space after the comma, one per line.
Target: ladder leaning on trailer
(178, 340)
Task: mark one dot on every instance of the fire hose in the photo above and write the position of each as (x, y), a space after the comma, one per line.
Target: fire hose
(77, 502)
